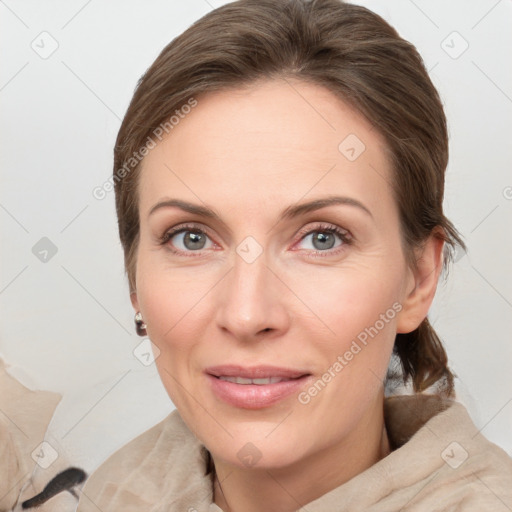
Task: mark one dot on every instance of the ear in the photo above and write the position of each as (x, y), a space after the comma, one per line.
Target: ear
(135, 301)
(422, 285)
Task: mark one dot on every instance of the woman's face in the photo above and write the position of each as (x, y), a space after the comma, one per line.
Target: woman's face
(252, 286)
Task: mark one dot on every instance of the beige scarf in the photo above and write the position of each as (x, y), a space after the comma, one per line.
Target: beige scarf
(440, 463)
(24, 418)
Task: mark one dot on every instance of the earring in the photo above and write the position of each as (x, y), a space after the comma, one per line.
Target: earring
(140, 326)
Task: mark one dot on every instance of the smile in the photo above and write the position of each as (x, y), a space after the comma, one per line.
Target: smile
(259, 382)
(255, 387)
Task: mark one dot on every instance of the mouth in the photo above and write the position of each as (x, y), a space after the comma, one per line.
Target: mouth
(257, 382)
(255, 387)
(255, 373)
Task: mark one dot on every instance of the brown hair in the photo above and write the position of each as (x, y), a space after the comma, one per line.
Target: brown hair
(356, 55)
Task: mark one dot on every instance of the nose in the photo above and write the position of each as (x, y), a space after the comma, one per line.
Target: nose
(251, 301)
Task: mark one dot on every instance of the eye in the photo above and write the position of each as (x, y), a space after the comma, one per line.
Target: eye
(323, 239)
(185, 239)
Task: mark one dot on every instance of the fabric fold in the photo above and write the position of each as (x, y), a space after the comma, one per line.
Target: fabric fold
(24, 418)
(440, 462)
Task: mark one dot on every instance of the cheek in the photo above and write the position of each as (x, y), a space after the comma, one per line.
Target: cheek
(348, 301)
(171, 301)
(171, 308)
(356, 313)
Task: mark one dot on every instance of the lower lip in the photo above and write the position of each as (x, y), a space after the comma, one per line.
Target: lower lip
(254, 396)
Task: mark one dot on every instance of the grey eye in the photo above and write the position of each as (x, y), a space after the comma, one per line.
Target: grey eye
(190, 240)
(321, 240)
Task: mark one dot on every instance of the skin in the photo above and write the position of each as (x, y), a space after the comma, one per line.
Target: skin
(248, 154)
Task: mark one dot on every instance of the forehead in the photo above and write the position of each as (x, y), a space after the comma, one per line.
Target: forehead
(279, 139)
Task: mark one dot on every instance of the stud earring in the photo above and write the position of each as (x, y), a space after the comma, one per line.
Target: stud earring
(140, 326)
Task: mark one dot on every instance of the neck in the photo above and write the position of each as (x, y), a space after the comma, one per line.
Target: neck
(286, 489)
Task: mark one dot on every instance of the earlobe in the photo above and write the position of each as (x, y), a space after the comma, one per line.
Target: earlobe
(416, 302)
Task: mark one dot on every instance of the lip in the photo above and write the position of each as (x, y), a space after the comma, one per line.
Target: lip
(255, 396)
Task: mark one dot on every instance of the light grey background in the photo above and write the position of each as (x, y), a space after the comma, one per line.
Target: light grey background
(67, 324)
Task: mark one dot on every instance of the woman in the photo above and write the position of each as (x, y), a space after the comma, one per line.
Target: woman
(279, 179)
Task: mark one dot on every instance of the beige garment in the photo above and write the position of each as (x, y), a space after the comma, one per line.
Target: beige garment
(24, 418)
(447, 465)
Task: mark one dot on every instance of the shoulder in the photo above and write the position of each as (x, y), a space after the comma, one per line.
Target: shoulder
(152, 451)
(437, 442)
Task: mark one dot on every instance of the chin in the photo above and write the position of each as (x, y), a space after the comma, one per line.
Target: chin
(257, 451)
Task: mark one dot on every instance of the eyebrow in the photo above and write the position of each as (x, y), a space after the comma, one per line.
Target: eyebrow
(288, 213)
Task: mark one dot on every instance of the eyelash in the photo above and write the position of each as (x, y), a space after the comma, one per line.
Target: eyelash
(343, 234)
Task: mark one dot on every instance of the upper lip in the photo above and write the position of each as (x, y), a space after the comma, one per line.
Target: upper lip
(254, 372)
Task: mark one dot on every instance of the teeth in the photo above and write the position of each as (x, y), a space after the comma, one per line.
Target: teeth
(243, 380)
